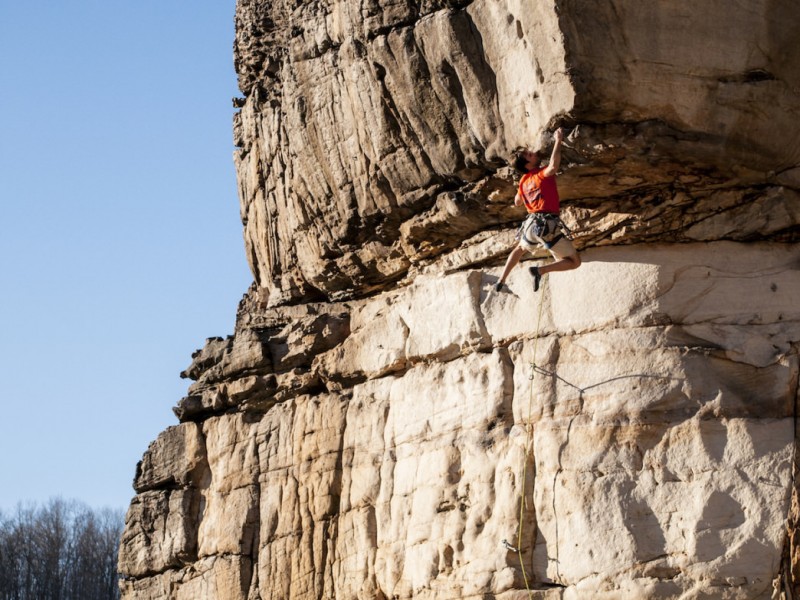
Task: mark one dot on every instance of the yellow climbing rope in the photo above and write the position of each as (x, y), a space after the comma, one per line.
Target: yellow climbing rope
(528, 447)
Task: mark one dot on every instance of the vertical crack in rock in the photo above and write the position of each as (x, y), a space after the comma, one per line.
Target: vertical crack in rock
(790, 560)
(557, 472)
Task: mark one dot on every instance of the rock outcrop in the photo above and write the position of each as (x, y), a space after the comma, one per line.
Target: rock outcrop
(382, 426)
(373, 135)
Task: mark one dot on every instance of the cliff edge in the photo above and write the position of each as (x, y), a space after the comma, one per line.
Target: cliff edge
(382, 425)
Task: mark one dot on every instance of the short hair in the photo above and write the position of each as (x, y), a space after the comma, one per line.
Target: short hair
(520, 161)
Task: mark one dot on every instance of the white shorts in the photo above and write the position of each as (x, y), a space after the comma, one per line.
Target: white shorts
(562, 249)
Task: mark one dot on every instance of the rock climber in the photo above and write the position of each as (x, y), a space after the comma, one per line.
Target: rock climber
(543, 227)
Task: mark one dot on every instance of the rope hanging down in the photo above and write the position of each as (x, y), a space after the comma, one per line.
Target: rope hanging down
(528, 451)
(535, 368)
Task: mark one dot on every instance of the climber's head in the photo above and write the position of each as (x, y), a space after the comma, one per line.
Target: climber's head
(526, 160)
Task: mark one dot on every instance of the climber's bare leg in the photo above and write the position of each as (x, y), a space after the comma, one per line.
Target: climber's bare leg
(511, 262)
(565, 264)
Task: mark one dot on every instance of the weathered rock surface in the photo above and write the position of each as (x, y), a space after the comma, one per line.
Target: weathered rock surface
(654, 445)
(382, 426)
(373, 134)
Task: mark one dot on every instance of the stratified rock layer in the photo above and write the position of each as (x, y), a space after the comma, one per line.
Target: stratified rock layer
(653, 446)
(383, 425)
(373, 134)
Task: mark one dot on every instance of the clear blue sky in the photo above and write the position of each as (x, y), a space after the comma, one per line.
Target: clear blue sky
(121, 246)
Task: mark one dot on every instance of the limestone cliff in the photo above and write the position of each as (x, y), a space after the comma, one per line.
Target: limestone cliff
(381, 426)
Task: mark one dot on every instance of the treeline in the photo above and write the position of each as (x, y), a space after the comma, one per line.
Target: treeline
(59, 551)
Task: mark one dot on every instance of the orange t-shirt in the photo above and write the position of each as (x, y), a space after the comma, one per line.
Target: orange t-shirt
(539, 193)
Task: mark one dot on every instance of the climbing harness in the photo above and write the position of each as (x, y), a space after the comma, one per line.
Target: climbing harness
(543, 229)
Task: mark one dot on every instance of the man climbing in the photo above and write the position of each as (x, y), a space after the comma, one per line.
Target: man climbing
(543, 228)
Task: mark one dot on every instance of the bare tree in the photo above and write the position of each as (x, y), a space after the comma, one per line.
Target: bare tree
(61, 551)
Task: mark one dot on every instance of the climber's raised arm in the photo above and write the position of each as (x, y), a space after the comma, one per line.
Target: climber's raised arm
(555, 157)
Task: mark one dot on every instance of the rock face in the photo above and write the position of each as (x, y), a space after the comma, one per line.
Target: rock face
(373, 134)
(382, 426)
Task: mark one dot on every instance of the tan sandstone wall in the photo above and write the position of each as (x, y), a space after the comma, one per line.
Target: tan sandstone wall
(659, 461)
(382, 426)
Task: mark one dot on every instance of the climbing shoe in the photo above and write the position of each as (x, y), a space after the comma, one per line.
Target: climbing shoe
(537, 277)
(498, 287)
